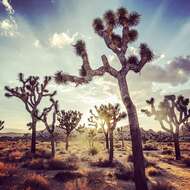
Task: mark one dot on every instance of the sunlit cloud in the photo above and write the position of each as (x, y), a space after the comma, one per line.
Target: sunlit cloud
(8, 26)
(60, 40)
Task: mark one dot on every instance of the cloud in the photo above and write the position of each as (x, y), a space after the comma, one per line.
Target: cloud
(174, 72)
(60, 40)
(8, 6)
(8, 26)
(37, 44)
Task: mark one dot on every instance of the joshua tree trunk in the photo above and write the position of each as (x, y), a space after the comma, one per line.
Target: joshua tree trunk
(52, 146)
(67, 142)
(111, 146)
(107, 141)
(177, 146)
(139, 168)
(33, 141)
(122, 140)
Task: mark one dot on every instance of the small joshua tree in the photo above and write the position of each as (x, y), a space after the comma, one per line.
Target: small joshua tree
(121, 135)
(69, 121)
(111, 115)
(118, 42)
(91, 137)
(97, 121)
(31, 92)
(1, 124)
(172, 114)
(50, 127)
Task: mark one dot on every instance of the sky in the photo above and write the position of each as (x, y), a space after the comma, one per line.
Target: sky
(36, 38)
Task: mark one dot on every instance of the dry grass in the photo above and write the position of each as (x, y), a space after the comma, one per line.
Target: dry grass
(36, 164)
(57, 164)
(95, 179)
(16, 156)
(186, 161)
(7, 169)
(151, 171)
(67, 175)
(36, 182)
(162, 185)
(150, 147)
(93, 151)
(124, 172)
(147, 161)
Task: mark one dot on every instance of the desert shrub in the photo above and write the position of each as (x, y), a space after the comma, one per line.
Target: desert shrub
(167, 151)
(124, 172)
(150, 147)
(72, 158)
(153, 171)
(95, 179)
(162, 185)
(102, 163)
(7, 169)
(117, 146)
(15, 155)
(186, 161)
(36, 164)
(36, 182)
(57, 164)
(67, 175)
(93, 151)
(40, 153)
(147, 161)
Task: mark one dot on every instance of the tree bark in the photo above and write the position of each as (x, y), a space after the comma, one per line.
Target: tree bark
(111, 147)
(33, 140)
(122, 140)
(107, 141)
(177, 147)
(52, 146)
(67, 142)
(139, 166)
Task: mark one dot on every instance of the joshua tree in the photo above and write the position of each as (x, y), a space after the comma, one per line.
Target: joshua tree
(97, 121)
(69, 121)
(172, 114)
(50, 127)
(1, 124)
(106, 28)
(91, 137)
(111, 115)
(31, 92)
(121, 135)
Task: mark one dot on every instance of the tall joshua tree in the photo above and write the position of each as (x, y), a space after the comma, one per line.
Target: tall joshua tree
(97, 121)
(118, 43)
(50, 126)
(31, 92)
(172, 114)
(69, 121)
(1, 124)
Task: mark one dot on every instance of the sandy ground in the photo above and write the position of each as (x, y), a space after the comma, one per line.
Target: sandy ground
(174, 172)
